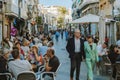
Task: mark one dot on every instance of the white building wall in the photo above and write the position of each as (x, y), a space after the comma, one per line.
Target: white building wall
(12, 7)
(24, 9)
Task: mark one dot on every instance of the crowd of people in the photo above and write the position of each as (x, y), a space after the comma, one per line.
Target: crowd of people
(27, 53)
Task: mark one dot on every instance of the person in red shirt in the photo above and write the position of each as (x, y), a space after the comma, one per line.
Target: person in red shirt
(106, 39)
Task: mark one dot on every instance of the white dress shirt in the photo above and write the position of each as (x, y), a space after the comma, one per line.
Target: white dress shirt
(77, 45)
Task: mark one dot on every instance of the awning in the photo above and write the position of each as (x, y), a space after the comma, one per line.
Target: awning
(11, 14)
(90, 18)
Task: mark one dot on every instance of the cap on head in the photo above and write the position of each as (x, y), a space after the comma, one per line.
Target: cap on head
(77, 30)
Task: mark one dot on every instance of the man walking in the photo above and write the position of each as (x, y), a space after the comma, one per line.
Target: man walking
(75, 48)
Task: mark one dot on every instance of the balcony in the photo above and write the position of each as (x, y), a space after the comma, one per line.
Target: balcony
(11, 9)
(86, 2)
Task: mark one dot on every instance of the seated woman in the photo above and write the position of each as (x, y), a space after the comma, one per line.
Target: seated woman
(34, 59)
(114, 53)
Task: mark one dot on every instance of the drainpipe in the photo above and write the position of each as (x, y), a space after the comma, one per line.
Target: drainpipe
(19, 13)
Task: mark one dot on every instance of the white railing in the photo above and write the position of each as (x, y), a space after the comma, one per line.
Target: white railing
(11, 8)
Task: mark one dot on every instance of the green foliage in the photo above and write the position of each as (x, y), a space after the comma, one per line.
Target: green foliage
(60, 21)
(39, 20)
(62, 10)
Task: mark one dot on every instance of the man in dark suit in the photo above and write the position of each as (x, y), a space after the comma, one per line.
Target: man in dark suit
(75, 48)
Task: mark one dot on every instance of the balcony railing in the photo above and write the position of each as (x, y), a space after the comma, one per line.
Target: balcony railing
(11, 8)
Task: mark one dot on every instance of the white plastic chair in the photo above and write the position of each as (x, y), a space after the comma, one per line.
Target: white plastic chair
(50, 73)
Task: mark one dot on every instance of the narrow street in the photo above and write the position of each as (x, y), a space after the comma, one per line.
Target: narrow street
(26, 27)
(64, 71)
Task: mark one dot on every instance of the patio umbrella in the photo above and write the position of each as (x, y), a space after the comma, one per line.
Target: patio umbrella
(90, 18)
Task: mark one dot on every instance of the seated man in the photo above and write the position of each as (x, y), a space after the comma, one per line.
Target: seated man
(3, 63)
(17, 66)
(52, 62)
(102, 49)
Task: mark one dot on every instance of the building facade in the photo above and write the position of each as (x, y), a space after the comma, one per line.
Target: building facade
(32, 16)
(109, 10)
(117, 17)
(83, 8)
(20, 14)
(51, 14)
(11, 12)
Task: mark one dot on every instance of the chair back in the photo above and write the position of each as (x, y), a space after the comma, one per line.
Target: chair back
(58, 68)
(29, 75)
(106, 59)
(7, 75)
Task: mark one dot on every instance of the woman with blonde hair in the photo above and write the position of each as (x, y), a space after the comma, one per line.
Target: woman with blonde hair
(34, 59)
(35, 52)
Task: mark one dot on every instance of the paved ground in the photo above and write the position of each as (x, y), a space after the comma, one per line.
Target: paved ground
(63, 73)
